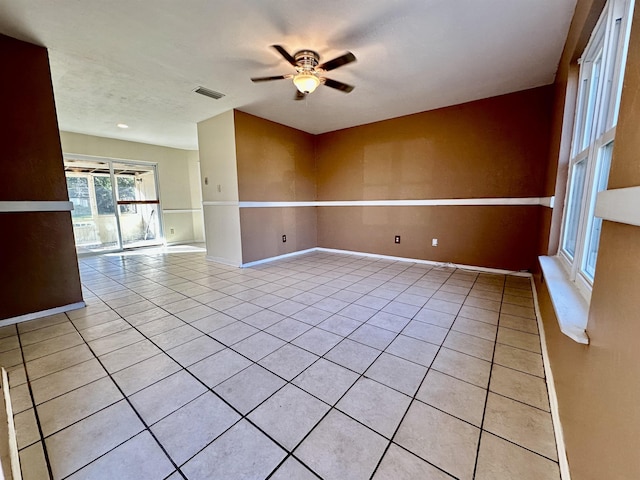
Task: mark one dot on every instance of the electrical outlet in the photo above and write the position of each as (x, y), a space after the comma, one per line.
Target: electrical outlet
(172, 231)
(284, 238)
(397, 239)
(434, 242)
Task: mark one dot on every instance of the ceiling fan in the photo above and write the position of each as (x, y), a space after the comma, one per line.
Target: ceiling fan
(309, 70)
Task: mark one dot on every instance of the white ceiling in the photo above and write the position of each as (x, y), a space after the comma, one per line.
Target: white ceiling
(138, 61)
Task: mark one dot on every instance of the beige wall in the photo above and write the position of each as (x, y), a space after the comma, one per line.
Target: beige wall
(598, 385)
(179, 187)
(37, 254)
(219, 174)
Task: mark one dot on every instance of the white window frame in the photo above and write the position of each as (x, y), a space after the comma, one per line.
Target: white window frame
(594, 128)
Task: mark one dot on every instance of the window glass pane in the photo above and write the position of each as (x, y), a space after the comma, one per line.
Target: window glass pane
(78, 188)
(595, 224)
(127, 191)
(104, 195)
(582, 102)
(574, 207)
(126, 188)
(591, 105)
(609, 93)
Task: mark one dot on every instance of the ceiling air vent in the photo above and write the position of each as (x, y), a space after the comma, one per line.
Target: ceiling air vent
(209, 93)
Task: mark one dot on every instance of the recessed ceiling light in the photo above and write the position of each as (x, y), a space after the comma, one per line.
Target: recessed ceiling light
(122, 125)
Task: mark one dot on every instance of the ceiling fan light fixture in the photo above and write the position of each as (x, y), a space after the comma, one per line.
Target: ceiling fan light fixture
(306, 82)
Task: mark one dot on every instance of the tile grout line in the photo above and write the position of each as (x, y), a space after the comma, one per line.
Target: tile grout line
(35, 410)
(486, 398)
(208, 389)
(413, 399)
(333, 313)
(126, 398)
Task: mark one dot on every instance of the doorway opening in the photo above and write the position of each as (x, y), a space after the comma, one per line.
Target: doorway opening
(116, 204)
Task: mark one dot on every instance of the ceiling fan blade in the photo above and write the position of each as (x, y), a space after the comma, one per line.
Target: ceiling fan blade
(268, 79)
(343, 87)
(299, 95)
(285, 54)
(338, 62)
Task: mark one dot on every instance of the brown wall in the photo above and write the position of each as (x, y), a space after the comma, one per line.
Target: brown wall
(275, 164)
(496, 147)
(262, 230)
(490, 236)
(39, 265)
(598, 385)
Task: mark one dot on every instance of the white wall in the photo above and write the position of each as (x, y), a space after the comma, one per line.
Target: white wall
(179, 186)
(219, 176)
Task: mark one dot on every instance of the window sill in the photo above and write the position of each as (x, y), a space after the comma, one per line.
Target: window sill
(572, 310)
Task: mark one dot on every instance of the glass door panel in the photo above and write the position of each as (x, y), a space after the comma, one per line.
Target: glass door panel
(138, 204)
(116, 204)
(95, 226)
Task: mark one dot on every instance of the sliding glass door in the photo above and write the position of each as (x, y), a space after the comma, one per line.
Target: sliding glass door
(116, 204)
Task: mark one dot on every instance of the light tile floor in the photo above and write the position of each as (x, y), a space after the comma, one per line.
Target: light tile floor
(322, 365)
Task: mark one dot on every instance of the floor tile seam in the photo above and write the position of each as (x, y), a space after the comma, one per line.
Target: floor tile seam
(282, 462)
(521, 316)
(158, 306)
(518, 401)
(245, 416)
(137, 413)
(473, 334)
(287, 342)
(155, 422)
(517, 305)
(521, 371)
(486, 398)
(61, 369)
(184, 323)
(40, 341)
(449, 414)
(418, 457)
(18, 332)
(71, 390)
(106, 453)
(465, 353)
(435, 369)
(516, 347)
(11, 349)
(80, 419)
(238, 420)
(413, 399)
(489, 432)
(35, 412)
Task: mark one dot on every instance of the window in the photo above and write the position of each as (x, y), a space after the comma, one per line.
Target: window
(78, 188)
(600, 86)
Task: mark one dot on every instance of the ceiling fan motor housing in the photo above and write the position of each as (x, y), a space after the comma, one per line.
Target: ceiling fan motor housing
(307, 60)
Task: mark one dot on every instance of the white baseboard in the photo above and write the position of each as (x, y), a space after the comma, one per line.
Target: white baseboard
(42, 313)
(497, 271)
(475, 268)
(565, 474)
(279, 257)
(224, 261)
